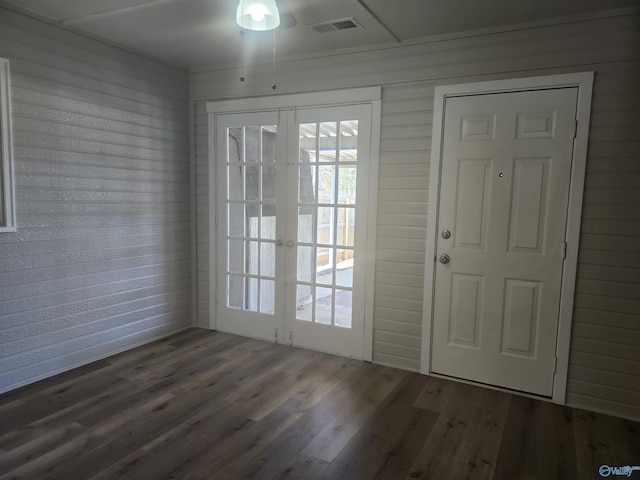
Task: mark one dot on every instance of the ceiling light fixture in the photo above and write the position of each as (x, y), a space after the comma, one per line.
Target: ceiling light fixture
(258, 15)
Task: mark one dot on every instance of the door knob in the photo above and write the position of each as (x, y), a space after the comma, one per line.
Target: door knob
(444, 258)
(289, 243)
(279, 243)
(446, 234)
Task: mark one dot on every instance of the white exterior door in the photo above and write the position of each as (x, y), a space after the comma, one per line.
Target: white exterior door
(251, 224)
(329, 197)
(506, 167)
(292, 196)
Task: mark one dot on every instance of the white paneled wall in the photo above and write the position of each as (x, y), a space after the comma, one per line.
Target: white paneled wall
(407, 112)
(605, 351)
(101, 259)
(202, 214)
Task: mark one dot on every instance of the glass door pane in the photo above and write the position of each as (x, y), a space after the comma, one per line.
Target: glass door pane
(251, 218)
(326, 202)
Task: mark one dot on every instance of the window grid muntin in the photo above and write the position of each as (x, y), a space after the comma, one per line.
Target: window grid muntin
(247, 238)
(315, 165)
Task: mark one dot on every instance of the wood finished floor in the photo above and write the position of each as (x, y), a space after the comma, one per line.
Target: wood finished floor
(208, 405)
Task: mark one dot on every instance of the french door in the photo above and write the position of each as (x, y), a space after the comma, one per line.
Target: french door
(251, 220)
(291, 198)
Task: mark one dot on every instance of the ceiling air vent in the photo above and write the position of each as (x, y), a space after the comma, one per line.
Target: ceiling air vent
(336, 25)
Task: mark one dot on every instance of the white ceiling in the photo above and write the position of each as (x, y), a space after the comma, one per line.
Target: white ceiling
(198, 33)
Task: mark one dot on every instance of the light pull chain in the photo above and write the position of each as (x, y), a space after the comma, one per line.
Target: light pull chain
(242, 46)
(274, 86)
(242, 55)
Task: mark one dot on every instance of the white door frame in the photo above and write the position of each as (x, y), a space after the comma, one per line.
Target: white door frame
(584, 82)
(369, 95)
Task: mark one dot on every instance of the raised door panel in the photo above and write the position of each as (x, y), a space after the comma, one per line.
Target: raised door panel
(472, 202)
(521, 317)
(528, 204)
(466, 310)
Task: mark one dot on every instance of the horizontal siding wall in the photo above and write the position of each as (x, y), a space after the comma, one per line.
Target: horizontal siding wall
(605, 350)
(202, 213)
(407, 113)
(101, 259)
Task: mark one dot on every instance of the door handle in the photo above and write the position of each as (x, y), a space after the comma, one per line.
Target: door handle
(444, 258)
(289, 243)
(279, 243)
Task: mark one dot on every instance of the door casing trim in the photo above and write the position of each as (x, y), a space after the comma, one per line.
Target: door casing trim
(369, 95)
(584, 82)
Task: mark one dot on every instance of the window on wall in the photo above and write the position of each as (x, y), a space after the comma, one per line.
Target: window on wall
(7, 202)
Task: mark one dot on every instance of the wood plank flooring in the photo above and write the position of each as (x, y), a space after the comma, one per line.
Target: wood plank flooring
(208, 405)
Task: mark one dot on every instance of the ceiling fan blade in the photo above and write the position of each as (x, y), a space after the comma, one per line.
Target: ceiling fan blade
(287, 20)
